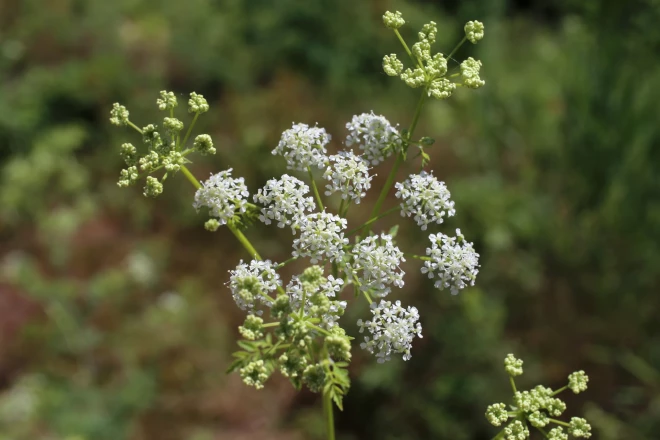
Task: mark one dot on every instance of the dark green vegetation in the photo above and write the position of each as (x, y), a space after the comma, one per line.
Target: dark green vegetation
(114, 320)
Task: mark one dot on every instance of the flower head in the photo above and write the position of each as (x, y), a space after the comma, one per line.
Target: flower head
(470, 73)
(303, 146)
(516, 431)
(375, 135)
(392, 330)
(319, 293)
(577, 381)
(204, 144)
(167, 100)
(453, 261)
(393, 20)
(497, 414)
(284, 202)
(118, 115)
(321, 234)
(557, 434)
(223, 195)
(512, 365)
(474, 31)
(348, 174)
(197, 104)
(425, 198)
(252, 283)
(392, 66)
(376, 263)
(579, 428)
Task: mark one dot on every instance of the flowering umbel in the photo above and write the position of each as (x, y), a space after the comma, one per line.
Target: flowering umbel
(294, 326)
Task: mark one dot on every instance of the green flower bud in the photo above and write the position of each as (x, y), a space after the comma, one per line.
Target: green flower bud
(393, 20)
(413, 78)
(292, 364)
(555, 407)
(557, 434)
(166, 101)
(212, 225)
(538, 419)
(118, 115)
(437, 66)
(153, 187)
(197, 104)
(339, 347)
(255, 374)
(127, 177)
(173, 126)
(474, 31)
(513, 366)
(428, 32)
(441, 88)
(172, 162)
(577, 381)
(422, 50)
(314, 377)
(579, 428)
(391, 65)
(497, 414)
(253, 328)
(204, 144)
(525, 401)
(151, 137)
(149, 161)
(516, 431)
(281, 307)
(129, 153)
(313, 275)
(470, 73)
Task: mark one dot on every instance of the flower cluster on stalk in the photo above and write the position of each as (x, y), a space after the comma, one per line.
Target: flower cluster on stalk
(537, 408)
(294, 327)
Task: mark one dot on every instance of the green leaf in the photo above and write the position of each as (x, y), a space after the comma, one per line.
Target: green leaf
(393, 231)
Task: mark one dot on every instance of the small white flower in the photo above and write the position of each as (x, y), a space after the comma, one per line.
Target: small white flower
(303, 146)
(348, 174)
(453, 261)
(223, 195)
(285, 202)
(375, 135)
(251, 283)
(392, 330)
(425, 198)
(321, 234)
(376, 263)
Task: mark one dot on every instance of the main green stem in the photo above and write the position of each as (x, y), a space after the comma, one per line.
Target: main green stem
(329, 416)
(319, 202)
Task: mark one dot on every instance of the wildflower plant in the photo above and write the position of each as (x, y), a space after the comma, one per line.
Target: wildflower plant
(537, 409)
(294, 326)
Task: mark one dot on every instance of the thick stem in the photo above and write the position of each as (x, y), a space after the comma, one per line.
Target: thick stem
(499, 436)
(319, 202)
(186, 172)
(329, 416)
(513, 384)
(244, 241)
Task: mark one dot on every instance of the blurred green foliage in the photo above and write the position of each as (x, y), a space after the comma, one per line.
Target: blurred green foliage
(115, 321)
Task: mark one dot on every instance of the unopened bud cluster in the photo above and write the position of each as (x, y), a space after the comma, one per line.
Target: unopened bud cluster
(537, 408)
(162, 149)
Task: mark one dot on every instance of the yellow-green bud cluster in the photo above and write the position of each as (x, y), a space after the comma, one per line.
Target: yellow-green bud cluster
(255, 374)
(393, 20)
(168, 154)
(252, 328)
(429, 70)
(314, 377)
(474, 31)
(537, 408)
(167, 101)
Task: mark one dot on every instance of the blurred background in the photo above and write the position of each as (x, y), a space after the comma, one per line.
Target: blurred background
(115, 322)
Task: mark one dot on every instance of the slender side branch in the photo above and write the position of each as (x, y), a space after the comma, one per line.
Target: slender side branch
(319, 202)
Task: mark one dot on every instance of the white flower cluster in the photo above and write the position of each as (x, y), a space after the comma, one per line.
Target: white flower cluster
(321, 234)
(223, 195)
(392, 329)
(425, 198)
(284, 201)
(348, 174)
(375, 135)
(376, 263)
(252, 283)
(330, 288)
(303, 146)
(453, 261)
